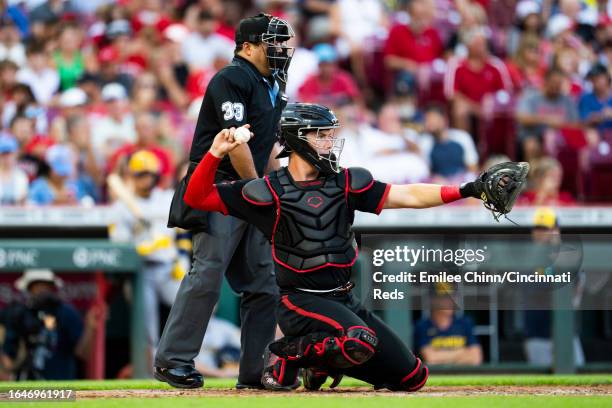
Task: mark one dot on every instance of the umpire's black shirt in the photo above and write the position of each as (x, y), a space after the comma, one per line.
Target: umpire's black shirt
(239, 94)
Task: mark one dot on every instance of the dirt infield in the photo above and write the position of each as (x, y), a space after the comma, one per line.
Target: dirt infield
(457, 391)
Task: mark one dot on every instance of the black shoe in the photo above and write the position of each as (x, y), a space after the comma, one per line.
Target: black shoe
(180, 377)
(246, 386)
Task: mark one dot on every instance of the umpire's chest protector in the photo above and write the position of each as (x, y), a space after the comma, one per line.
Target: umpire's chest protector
(312, 229)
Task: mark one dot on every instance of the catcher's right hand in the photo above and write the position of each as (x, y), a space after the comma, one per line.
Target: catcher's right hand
(499, 186)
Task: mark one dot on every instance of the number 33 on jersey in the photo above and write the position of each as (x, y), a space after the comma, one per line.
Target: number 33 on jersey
(232, 110)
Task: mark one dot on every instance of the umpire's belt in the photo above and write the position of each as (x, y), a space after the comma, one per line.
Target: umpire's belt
(340, 290)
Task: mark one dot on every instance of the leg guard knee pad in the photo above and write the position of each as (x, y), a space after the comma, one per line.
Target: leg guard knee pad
(356, 347)
(415, 380)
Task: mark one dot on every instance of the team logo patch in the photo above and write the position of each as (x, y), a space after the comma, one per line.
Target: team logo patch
(314, 202)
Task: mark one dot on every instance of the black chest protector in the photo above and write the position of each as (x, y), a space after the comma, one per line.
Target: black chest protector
(313, 223)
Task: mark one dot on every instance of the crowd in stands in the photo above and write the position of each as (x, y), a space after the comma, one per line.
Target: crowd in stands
(427, 90)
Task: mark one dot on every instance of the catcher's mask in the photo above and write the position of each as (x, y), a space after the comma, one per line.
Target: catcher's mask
(309, 131)
(275, 33)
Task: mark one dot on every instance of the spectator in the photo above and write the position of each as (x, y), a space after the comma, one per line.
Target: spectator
(11, 48)
(68, 58)
(59, 187)
(545, 185)
(39, 75)
(393, 155)
(473, 17)
(51, 329)
(444, 337)
(8, 78)
(528, 24)
(544, 109)
(304, 64)
(116, 127)
(147, 139)
(596, 107)
(357, 25)
(110, 69)
(331, 86)
(527, 68)
(451, 153)
(88, 172)
(414, 45)
(202, 46)
(468, 81)
(13, 181)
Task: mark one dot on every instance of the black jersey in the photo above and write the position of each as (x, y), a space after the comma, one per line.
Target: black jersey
(238, 94)
(265, 217)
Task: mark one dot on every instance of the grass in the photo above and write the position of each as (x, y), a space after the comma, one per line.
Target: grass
(337, 401)
(434, 380)
(374, 400)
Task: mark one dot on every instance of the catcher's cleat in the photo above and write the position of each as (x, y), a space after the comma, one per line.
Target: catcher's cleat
(314, 379)
(279, 374)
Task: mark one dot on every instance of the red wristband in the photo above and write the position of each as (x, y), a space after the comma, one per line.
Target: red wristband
(450, 194)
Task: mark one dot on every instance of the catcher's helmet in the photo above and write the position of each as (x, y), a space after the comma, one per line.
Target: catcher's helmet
(274, 32)
(300, 119)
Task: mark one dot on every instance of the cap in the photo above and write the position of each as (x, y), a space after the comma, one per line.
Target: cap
(545, 217)
(108, 54)
(37, 275)
(558, 24)
(527, 7)
(8, 144)
(117, 28)
(60, 159)
(325, 53)
(73, 97)
(113, 91)
(250, 29)
(144, 161)
(176, 32)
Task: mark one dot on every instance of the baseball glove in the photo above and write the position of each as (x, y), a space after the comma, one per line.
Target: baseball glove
(500, 186)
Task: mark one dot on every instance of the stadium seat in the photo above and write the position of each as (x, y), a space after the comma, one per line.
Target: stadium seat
(498, 126)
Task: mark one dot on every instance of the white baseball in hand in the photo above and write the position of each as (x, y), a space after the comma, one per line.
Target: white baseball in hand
(242, 135)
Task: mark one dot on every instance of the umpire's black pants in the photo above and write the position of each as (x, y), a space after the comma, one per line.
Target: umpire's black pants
(302, 313)
(241, 252)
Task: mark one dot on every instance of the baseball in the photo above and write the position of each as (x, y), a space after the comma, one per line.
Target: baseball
(242, 135)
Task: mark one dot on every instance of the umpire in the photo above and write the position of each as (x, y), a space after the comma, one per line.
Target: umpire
(249, 90)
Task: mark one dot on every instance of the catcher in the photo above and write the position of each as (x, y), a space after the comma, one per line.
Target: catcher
(306, 209)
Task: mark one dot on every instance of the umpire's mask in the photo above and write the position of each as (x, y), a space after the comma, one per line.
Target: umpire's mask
(279, 32)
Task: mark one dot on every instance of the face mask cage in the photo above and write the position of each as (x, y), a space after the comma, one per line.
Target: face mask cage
(327, 146)
(279, 54)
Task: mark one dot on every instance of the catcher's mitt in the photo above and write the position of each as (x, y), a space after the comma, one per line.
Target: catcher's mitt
(500, 185)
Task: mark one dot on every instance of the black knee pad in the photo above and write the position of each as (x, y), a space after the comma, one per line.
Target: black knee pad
(359, 344)
(414, 380)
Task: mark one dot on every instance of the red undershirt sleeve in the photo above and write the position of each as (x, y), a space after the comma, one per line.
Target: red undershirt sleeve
(201, 191)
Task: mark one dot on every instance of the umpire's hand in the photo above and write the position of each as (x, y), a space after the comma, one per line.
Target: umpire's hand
(224, 142)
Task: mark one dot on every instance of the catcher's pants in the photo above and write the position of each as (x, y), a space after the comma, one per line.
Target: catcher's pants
(301, 313)
(241, 252)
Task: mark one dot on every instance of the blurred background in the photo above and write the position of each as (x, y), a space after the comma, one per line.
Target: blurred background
(426, 90)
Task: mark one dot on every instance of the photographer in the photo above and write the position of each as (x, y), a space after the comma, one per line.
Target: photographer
(52, 331)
